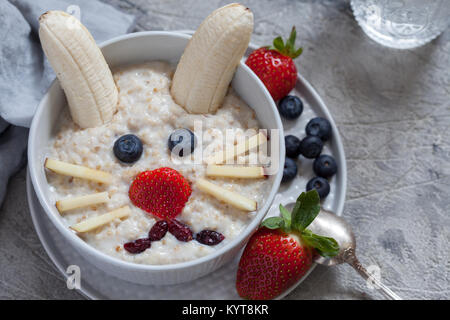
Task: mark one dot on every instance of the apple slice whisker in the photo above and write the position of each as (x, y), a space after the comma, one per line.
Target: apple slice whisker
(81, 201)
(240, 149)
(77, 171)
(95, 222)
(235, 172)
(235, 199)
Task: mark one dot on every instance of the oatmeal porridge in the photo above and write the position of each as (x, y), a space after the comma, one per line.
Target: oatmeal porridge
(147, 110)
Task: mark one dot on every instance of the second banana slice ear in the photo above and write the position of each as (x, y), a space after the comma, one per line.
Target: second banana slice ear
(208, 63)
(80, 68)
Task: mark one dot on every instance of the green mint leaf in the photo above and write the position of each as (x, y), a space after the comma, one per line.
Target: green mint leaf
(305, 210)
(286, 216)
(325, 246)
(273, 223)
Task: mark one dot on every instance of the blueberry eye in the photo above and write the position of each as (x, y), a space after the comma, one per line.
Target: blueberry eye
(128, 148)
(182, 142)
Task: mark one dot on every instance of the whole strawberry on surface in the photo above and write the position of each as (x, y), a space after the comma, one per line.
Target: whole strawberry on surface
(162, 192)
(274, 65)
(281, 252)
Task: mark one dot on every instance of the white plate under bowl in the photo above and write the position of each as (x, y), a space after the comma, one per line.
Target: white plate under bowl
(96, 284)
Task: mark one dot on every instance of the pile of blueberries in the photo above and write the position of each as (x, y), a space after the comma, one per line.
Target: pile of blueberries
(318, 131)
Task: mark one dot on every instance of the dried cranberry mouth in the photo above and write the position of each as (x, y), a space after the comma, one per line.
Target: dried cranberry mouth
(179, 230)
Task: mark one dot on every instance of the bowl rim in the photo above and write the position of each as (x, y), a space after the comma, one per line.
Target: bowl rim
(80, 244)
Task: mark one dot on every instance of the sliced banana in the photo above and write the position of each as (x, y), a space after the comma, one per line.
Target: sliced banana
(80, 68)
(208, 63)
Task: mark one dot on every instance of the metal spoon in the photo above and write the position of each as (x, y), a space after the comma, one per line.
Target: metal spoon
(330, 225)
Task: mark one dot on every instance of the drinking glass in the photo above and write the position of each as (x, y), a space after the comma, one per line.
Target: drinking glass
(402, 24)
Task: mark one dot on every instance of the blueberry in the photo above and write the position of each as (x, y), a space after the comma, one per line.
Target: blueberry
(128, 148)
(320, 184)
(289, 171)
(290, 107)
(325, 166)
(319, 127)
(292, 146)
(311, 147)
(182, 142)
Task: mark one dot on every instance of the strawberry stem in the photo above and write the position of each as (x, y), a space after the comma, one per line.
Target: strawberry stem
(287, 49)
(305, 210)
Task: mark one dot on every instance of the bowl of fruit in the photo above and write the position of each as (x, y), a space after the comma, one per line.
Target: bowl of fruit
(155, 154)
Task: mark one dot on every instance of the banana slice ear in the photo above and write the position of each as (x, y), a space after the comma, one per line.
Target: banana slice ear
(80, 68)
(210, 59)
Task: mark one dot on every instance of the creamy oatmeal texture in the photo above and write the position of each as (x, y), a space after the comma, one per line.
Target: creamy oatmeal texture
(147, 110)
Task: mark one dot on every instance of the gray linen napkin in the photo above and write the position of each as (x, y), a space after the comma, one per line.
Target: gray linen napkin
(25, 73)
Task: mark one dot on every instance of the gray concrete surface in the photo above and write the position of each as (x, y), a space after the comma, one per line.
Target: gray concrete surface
(393, 112)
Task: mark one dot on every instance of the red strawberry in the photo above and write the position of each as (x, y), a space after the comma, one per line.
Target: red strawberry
(281, 252)
(275, 66)
(162, 192)
(272, 262)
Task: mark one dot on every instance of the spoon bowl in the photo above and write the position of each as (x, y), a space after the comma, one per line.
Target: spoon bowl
(330, 225)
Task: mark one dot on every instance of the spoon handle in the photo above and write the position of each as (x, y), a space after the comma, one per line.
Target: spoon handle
(352, 260)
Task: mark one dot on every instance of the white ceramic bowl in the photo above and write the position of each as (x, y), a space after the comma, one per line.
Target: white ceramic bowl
(130, 49)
